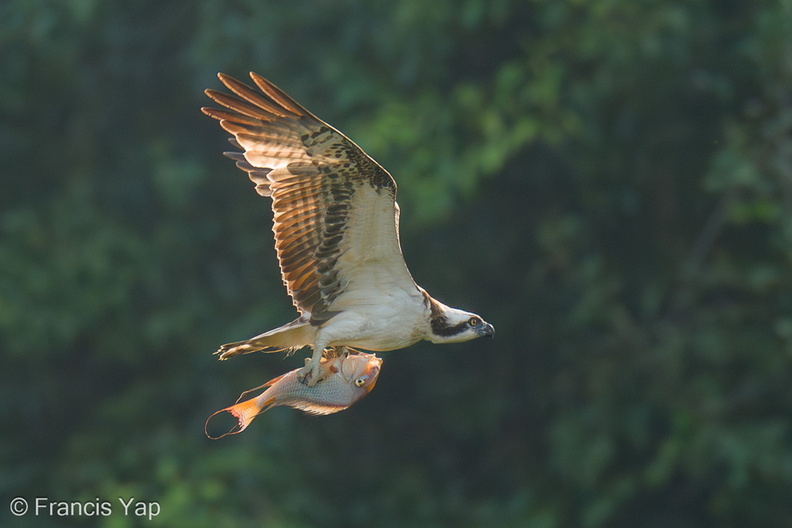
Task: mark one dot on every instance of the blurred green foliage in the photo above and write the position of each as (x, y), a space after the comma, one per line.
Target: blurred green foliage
(608, 182)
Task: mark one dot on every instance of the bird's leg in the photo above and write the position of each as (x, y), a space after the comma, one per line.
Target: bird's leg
(313, 372)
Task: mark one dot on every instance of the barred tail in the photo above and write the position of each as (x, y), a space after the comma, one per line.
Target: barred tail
(288, 338)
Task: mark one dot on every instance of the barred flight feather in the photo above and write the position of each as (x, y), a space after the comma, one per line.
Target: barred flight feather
(313, 174)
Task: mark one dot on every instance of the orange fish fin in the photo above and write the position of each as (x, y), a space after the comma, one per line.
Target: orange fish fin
(244, 412)
(268, 384)
(316, 408)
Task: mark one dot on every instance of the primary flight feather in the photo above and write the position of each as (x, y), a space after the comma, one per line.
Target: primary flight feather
(336, 225)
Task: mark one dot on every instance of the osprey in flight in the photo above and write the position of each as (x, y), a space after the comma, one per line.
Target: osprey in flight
(336, 225)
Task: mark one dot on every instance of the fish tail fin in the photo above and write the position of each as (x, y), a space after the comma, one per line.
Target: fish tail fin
(244, 412)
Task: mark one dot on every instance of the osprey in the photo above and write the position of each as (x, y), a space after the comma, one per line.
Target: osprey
(336, 225)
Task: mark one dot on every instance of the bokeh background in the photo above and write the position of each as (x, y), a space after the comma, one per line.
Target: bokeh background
(608, 182)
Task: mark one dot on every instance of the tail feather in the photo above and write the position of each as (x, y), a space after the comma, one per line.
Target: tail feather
(287, 338)
(237, 348)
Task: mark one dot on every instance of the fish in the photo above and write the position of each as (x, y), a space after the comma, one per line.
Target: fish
(348, 377)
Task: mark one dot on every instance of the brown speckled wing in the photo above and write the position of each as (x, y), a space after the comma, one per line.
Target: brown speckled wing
(312, 172)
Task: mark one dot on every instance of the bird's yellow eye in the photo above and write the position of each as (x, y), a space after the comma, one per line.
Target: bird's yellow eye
(474, 321)
(359, 382)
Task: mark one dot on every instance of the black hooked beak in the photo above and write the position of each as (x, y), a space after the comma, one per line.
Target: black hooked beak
(486, 330)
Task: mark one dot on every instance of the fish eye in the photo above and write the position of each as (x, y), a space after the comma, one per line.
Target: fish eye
(474, 321)
(359, 382)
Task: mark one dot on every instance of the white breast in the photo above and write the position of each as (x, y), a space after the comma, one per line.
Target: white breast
(377, 315)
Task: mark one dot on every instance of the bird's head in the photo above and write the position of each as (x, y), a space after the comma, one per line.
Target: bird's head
(451, 325)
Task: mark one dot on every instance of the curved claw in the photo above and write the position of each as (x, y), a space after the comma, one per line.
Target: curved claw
(312, 373)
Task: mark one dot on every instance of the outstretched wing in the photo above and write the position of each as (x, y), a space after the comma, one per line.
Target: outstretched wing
(335, 215)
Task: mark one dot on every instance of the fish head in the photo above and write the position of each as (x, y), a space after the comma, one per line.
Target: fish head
(360, 370)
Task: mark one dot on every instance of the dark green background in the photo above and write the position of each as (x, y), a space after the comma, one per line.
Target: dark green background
(608, 182)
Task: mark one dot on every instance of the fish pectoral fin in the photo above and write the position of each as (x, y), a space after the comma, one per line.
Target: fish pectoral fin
(244, 412)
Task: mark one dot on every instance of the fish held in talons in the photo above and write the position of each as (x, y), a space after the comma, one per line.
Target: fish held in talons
(346, 378)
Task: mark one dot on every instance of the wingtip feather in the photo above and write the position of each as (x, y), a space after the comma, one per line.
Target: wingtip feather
(278, 95)
(207, 110)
